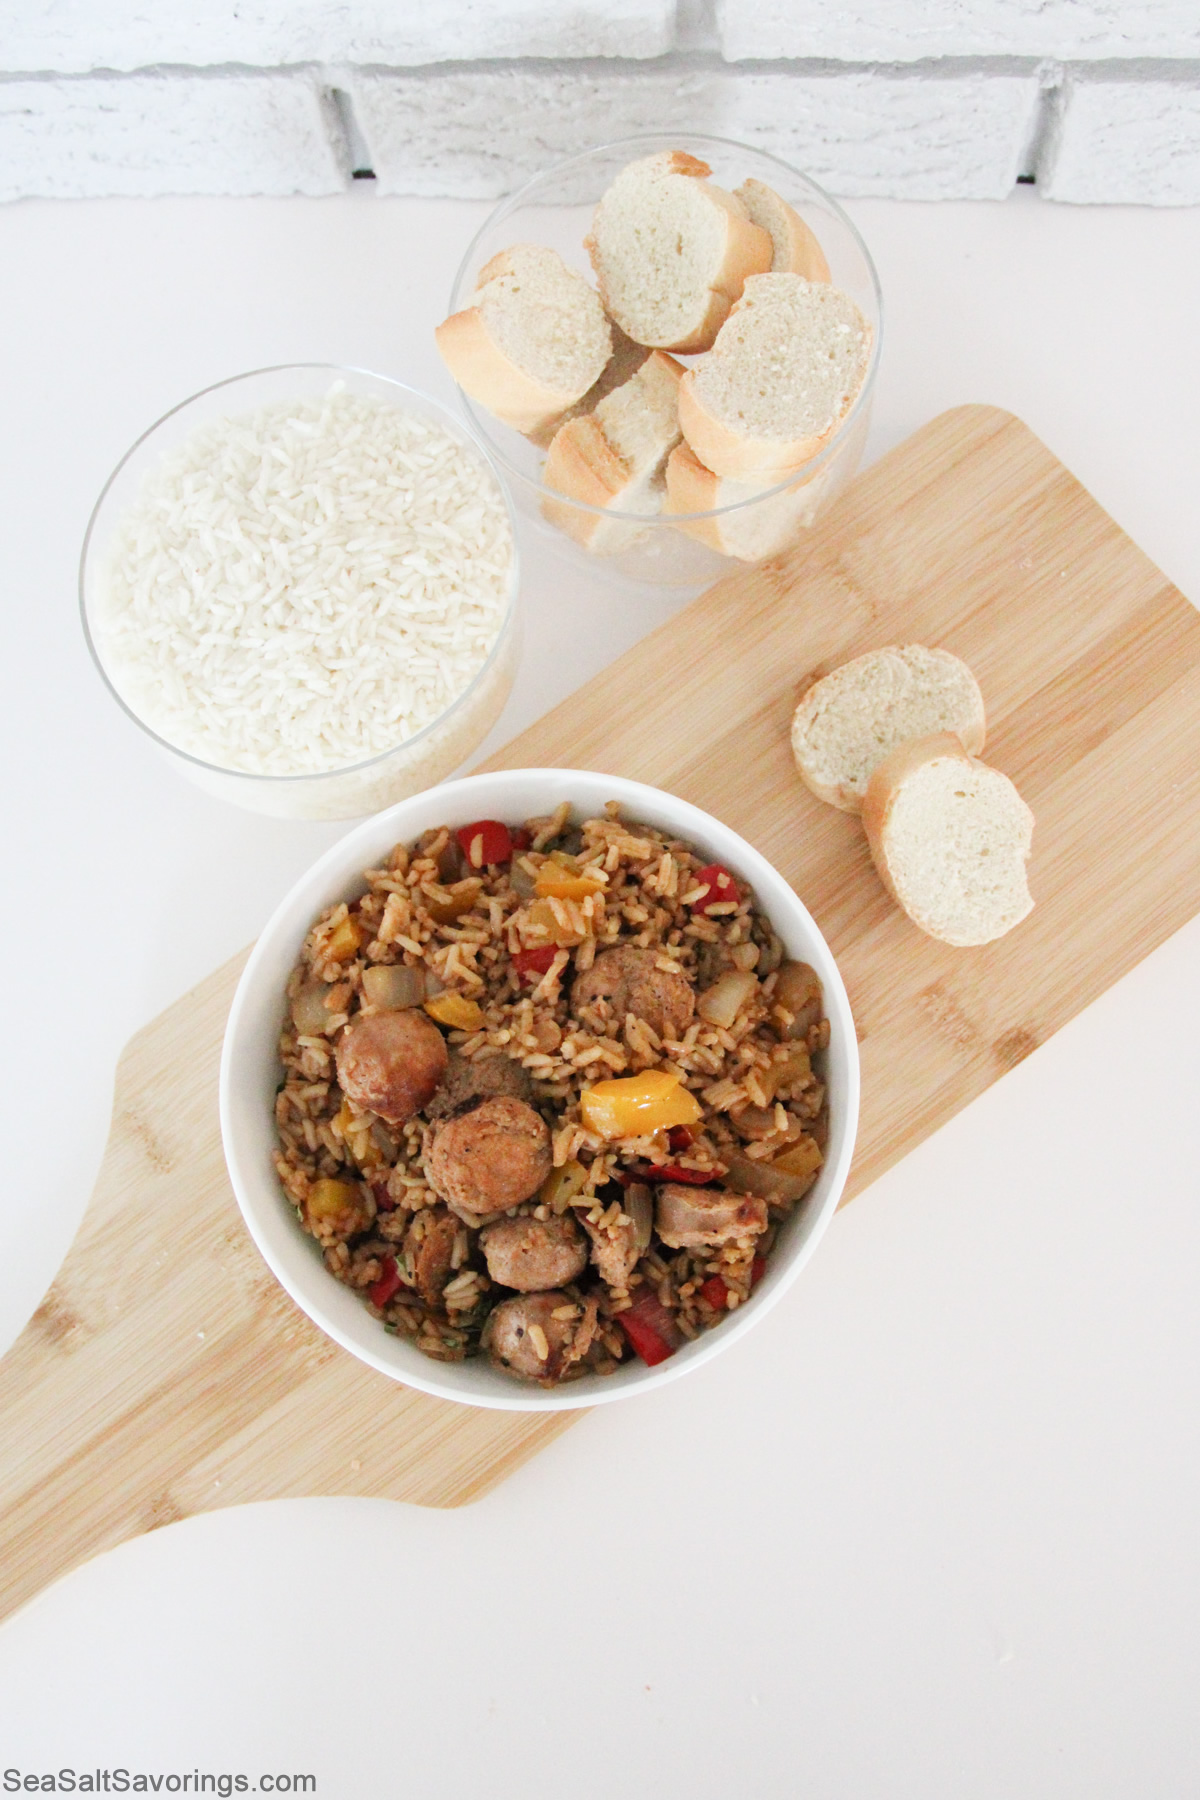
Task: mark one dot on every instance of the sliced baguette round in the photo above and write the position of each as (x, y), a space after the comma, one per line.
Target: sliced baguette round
(850, 720)
(533, 340)
(797, 251)
(626, 359)
(950, 838)
(785, 369)
(671, 251)
(763, 527)
(614, 457)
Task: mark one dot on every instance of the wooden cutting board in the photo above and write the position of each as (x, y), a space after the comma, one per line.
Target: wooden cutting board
(166, 1373)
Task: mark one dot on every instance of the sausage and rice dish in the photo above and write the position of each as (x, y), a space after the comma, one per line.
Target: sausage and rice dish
(548, 1092)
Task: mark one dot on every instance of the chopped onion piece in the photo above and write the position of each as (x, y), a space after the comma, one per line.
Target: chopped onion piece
(394, 986)
(723, 1001)
(310, 1015)
(761, 1178)
(798, 988)
(639, 1205)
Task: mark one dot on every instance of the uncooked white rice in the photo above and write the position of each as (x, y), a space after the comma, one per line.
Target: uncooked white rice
(303, 588)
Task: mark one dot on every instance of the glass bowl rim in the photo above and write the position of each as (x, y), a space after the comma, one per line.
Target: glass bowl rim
(661, 139)
(457, 426)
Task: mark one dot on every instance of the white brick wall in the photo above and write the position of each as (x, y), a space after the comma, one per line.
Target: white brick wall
(477, 132)
(908, 30)
(923, 99)
(71, 36)
(1125, 134)
(193, 133)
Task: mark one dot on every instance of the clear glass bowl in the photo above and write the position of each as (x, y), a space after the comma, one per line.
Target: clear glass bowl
(416, 762)
(555, 208)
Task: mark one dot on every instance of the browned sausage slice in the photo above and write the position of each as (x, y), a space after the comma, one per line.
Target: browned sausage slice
(523, 1336)
(429, 1249)
(490, 1158)
(629, 979)
(615, 1251)
(688, 1218)
(472, 1078)
(391, 1063)
(529, 1254)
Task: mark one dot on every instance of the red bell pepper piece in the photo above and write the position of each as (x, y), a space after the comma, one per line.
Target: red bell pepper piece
(383, 1200)
(719, 885)
(650, 1329)
(677, 1172)
(716, 1291)
(521, 839)
(381, 1291)
(681, 1137)
(486, 841)
(531, 965)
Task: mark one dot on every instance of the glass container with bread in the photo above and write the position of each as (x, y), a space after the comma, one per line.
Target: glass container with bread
(669, 344)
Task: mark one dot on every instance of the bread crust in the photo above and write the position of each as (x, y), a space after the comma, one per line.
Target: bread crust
(483, 370)
(776, 524)
(972, 738)
(489, 375)
(693, 488)
(797, 251)
(736, 455)
(583, 464)
(883, 790)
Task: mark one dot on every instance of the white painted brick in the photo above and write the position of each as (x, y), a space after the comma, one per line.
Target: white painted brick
(64, 36)
(478, 133)
(1125, 135)
(940, 134)
(215, 133)
(907, 30)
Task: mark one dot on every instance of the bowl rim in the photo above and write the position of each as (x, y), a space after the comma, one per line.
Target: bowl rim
(645, 140)
(462, 429)
(261, 1212)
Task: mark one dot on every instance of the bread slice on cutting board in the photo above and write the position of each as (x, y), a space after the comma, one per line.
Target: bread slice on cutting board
(671, 251)
(614, 457)
(850, 720)
(950, 838)
(533, 340)
(796, 250)
(785, 369)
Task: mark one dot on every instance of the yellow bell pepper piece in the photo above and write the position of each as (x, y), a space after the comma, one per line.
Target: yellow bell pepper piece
(637, 1105)
(450, 904)
(561, 878)
(561, 1186)
(456, 1011)
(553, 930)
(336, 1209)
(555, 884)
(345, 940)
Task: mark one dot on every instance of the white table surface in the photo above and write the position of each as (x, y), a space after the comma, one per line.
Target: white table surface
(931, 1530)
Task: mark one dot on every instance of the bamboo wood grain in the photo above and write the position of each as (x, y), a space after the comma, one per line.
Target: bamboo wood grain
(167, 1374)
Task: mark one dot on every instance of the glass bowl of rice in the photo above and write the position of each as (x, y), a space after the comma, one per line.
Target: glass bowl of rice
(302, 584)
(645, 545)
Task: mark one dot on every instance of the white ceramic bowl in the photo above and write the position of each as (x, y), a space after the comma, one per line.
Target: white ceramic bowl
(250, 1075)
